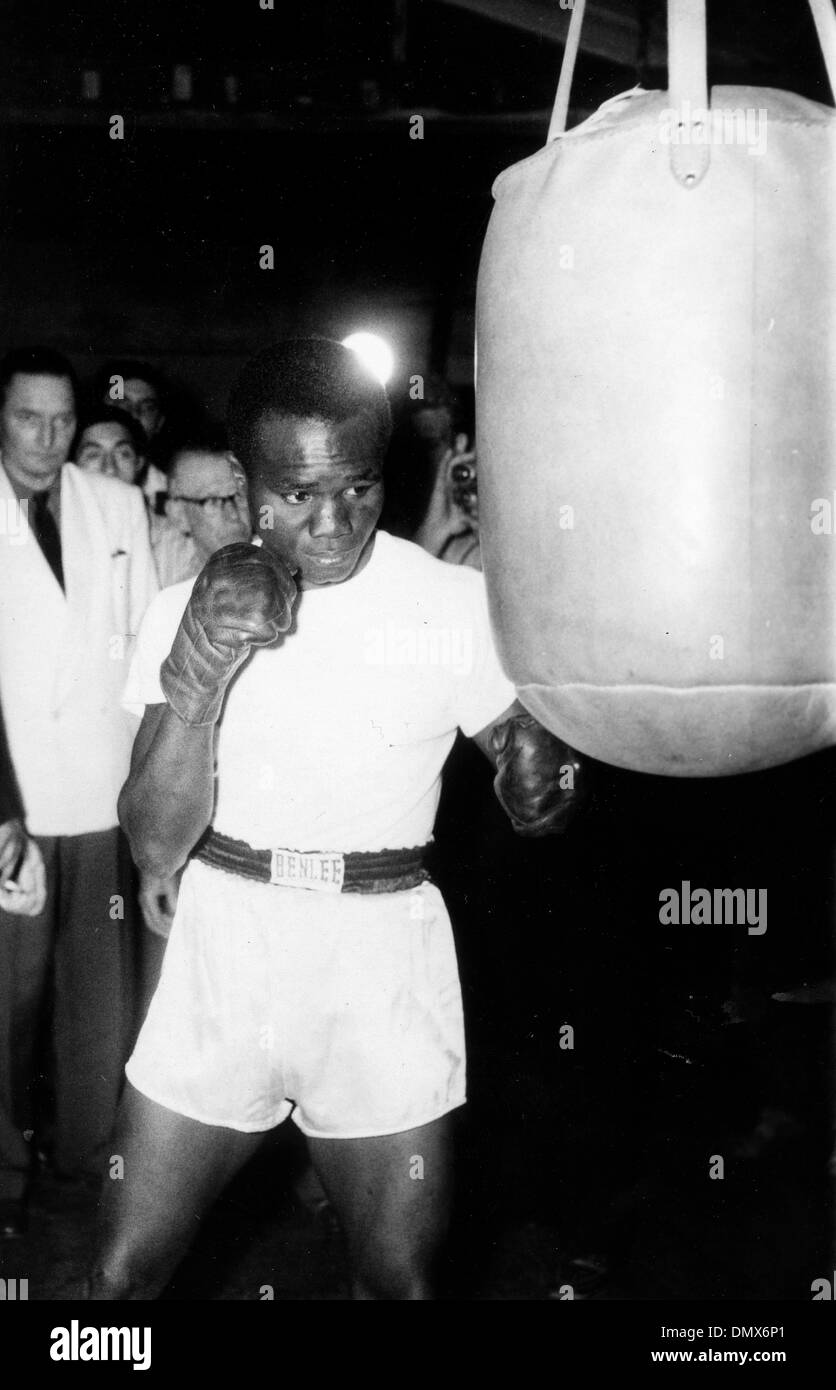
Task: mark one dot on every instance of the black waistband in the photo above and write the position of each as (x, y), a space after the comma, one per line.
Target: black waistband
(376, 871)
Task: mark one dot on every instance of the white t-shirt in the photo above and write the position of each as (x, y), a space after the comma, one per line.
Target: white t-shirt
(335, 738)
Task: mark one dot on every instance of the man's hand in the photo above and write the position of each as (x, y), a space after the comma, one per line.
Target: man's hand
(445, 517)
(28, 895)
(540, 781)
(12, 845)
(242, 598)
(158, 901)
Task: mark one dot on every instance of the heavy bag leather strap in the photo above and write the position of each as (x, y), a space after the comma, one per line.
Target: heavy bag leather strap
(560, 111)
(687, 78)
(688, 90)
(824, 18)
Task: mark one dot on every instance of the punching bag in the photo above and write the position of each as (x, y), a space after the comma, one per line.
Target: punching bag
(656, 401)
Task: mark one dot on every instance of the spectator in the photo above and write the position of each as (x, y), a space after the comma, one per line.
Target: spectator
(73, 586)
(450, 527)
(206, 508)
(137, 388)
(22, 879)
(140, 390)
(112, 442)
(433, 482)
(207, 498)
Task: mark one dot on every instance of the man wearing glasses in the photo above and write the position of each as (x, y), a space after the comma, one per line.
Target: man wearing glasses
(206, 506)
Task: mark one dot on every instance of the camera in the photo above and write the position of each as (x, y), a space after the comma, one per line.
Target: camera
(463, 479)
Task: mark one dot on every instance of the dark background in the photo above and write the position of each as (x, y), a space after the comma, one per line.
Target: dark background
(149, 247)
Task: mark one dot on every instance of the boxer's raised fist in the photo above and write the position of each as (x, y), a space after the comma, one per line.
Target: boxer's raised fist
(242, 598)
(540, 780)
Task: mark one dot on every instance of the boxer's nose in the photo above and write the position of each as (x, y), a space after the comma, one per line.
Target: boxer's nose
(331, 519)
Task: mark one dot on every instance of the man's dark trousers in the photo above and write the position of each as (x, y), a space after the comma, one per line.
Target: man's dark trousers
(73, 964)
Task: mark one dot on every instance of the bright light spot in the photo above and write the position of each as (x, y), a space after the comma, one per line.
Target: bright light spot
(375, 353)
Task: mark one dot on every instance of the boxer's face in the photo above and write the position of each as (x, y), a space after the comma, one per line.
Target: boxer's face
(316, 491)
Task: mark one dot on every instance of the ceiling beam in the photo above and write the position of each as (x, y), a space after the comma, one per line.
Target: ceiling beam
(610, 30)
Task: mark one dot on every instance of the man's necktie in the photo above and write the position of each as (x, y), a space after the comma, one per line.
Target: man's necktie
(47, 535)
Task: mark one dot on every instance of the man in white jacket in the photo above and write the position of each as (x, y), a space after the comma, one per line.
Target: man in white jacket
(76, 575)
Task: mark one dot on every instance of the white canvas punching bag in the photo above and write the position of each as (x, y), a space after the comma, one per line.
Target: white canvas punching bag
(656, 421)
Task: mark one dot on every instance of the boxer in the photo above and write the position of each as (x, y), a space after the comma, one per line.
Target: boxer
(291, 758)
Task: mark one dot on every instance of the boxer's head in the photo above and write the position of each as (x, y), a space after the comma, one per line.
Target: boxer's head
(310, 426)
(37, 415)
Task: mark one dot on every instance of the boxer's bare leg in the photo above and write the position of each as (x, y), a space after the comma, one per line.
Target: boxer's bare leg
(173, 1170)
(392, 1195)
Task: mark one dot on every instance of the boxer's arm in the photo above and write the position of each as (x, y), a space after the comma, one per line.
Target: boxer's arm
(484, 738)
(166, 803)
(242, 598)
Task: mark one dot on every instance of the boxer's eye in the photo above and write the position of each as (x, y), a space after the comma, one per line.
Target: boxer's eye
(359, 489)
(295, 499)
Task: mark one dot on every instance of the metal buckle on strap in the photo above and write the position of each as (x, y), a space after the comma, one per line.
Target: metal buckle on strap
(318, 870)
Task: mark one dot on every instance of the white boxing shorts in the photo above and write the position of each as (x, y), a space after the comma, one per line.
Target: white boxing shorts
(342, 1010)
